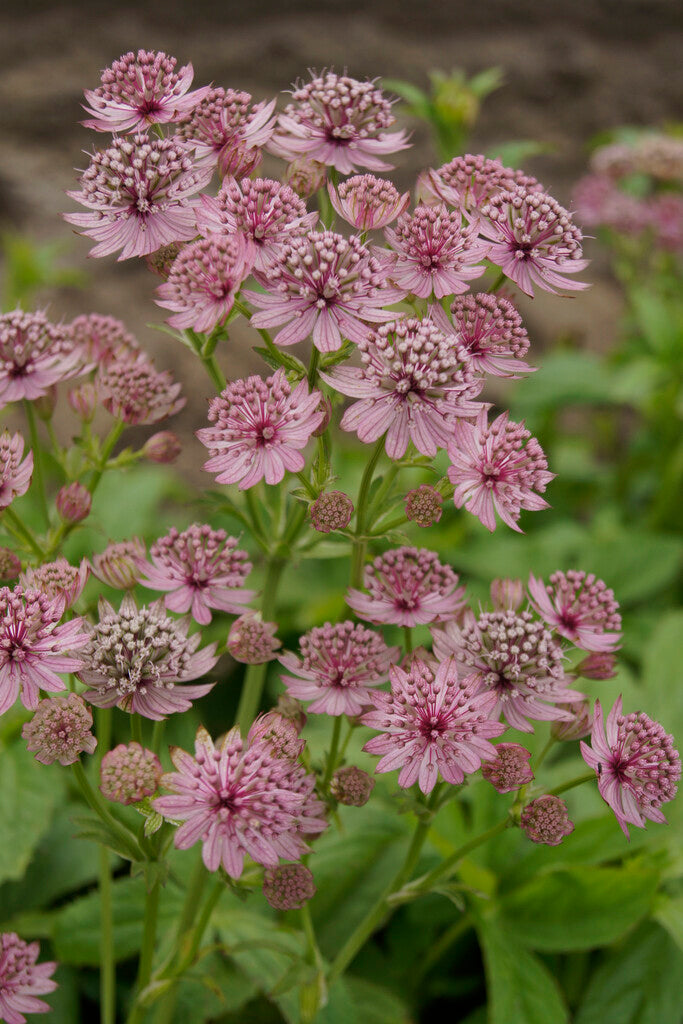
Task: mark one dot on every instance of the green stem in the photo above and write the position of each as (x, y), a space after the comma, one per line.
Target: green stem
(22, 532)
(408, 639)
(442, 945)
(393, 524)
(38, 478)
(107, 963)
(333, 754)
(214, 371)
(197, 935)
(157, 735)
(107, 448)
(136, 729)
(255, 676)
(445, 868)
(498, 283)
(96, 802)
(577, 781)
(149, 935)
(546, 750)
(359, 544)
(313, 367)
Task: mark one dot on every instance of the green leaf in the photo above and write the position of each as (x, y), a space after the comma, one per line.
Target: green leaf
(278, 358)
(669, 913)
(659, 327)
(374, 1004)
(578, 908)
(213, 988)
(663, 673)
(29, 793)
(635, 564)
(564, 378)
(639, 983)
(520, 988)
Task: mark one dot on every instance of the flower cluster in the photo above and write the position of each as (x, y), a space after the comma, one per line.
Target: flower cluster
(22, 980)
(408, 586)
(34, 355)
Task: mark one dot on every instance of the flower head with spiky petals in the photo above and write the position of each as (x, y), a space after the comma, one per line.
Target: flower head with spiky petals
(251, 640)
(15, 475)
(57, 580)
(433, 724)
(423, 506)
(468, 181)
(240, 798)
(497, 467)
(100, 337)
(22, 980)
(140, 194)
(580, 607)
(413, 384)
(366, 202)
(340, 122)
(34, 355)
(204, 280)
(408, 587)
(259, 429)
(117, 564)
(129, 773)
(60, 730)
(288, 886)
(131, 389)
(490, 329)
(200, 568)
(533, 240)
(134, 659)
(510, 768)
(431, 252)
(636, 763)
(325, 285)
(33, 647)
(141, 89)
(264, 212)
(338, 664)
(228, 131)
(514, 656)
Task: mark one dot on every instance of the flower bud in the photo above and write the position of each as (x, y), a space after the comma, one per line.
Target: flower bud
(161, 261)
(129, 773)
(73, 502)
(288, 886)
(598, 665)
(280, 732)
(251, 640)
(423, 505)
(506, 594)
(60, 730)
(351, 786)
(325, 407)
(83, 400)
(305, 176)
(10, 565)
(117, 564)
(45, 404)
(331, 511)
(580, 724)
(546, 820)
(510, 768)
(163, 447)
(292, 709)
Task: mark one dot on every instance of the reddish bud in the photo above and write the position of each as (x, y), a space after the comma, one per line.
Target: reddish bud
(598, 665)
(73, 502)
(83, 400)
(163, 447)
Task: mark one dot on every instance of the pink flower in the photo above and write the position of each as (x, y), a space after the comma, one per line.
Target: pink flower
(366, 202)
(57, 580)
(408, 587)
(34, 355)
(490, 329)
(22, 979)
(509, 769)
(15, 475)
(227, 131)
(140, 195)
(60, 730)
(546, 820)
(331, 510)
(340, 122)
(117, 564)
(326, 285)
(467, 182)
(204, 281)
(288, 886)
(423, 506)
(260, 429)
(129, 773)
(135, 658)
(100, 337)
(533, 240)
(251, 640)
(139, 90)
(433, 252)
(515, 657)
(201, 569)
(265, 212)
(636, 764)
(240, 798)
(33, 648)
(433, 724)
(579, 607)
(412, 385)
(496, 468)
(338, 664)
(131, 389)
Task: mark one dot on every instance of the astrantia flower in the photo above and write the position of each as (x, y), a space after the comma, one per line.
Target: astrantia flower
(325, 285)
(60, 730)
(423, 505)
(251, 640)
(408, 587)
(117, 565)
(279, 732)
(10, 565)
(15, 475)
(227, 131)
(534, 240)
(513, 656)
(337, 666)
(264, 212)
(34, 355)
(338, 121)
(33, 648)
(306, 177)
(131, 389)
(490, 330)
(432, 252)
(204, 281)
(260, 427)
(509, 769)
(288, 886)
(135, 658)
(58, 579)
(330, 511)
(466, 182)
(22, 979)
(366, 202)
(99, 337)
(636, 763)
(200, 568)
(351, 786)
(412, 385)
(73, 502)
(579, 607)
(139, 90)
(239, 799)
(140, 195)
(578, 726)
(129, 773)
(546, 820)
(497, 467)
(433, 724)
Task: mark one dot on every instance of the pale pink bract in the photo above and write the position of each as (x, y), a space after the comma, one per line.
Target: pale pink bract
(468, 181)
(204, 280)
(34, 355)
(490, 330)
(227, 131)
(57, 580)
(133, 390)
(15, 474)
(579, 607)
(367, 203)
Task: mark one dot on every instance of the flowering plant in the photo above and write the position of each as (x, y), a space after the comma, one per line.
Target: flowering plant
(110, 665)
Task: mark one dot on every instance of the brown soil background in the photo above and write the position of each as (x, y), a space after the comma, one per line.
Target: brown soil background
(572, 69)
